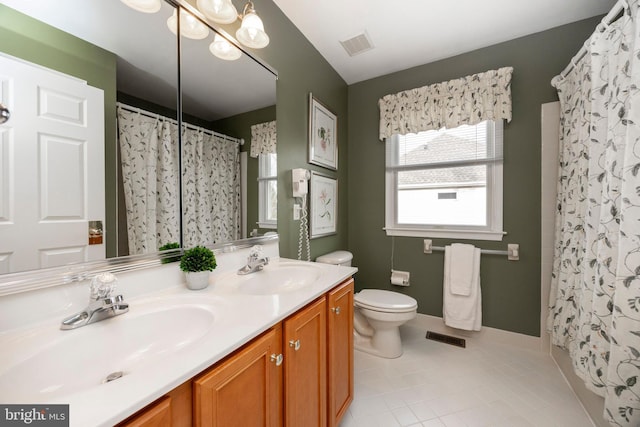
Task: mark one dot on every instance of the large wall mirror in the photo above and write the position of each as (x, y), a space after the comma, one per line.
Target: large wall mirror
(81, 71)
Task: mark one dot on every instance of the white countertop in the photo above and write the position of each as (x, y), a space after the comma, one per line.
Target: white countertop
(237, 319)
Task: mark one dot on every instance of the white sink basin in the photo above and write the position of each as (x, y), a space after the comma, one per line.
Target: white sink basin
(276, 279)
(80, 359)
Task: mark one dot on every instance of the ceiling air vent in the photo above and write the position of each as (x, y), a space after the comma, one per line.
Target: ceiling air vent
(357, 45)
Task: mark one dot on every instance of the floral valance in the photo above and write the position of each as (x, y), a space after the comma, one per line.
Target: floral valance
(263, 138)
(468, 100)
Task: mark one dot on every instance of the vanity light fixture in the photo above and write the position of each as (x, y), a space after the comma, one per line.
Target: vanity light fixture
(145, 6)
(251, 33)
(223, 49)
(220, 11)
(189, 26)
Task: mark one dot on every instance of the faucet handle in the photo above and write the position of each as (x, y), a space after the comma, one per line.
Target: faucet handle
(256, 252)
(102, 285)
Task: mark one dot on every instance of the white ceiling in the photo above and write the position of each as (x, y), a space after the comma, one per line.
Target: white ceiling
(407, 33)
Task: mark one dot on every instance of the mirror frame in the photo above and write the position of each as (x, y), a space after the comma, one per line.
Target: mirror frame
(12, 283)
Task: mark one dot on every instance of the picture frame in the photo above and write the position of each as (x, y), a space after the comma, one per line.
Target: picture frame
(323, 205)
(323, 135)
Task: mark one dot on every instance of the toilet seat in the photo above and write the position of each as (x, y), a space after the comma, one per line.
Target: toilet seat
(385, 301)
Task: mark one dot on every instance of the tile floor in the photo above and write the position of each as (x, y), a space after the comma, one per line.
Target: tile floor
(434, 384)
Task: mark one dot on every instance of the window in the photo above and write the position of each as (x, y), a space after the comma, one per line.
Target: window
(268, 190)
(446, 183)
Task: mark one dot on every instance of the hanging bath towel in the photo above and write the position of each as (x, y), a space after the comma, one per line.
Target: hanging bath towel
(462, 300)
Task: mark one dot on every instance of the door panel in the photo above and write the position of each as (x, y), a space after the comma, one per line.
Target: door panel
(62, 163)
(51, 167)
(63, 107)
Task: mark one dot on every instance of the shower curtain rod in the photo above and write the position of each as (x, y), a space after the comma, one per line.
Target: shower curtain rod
(620, 6)
(175, 122)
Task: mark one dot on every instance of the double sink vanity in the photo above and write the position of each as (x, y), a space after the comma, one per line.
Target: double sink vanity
(272, 347)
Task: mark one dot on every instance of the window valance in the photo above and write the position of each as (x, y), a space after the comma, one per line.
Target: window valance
(263, 138)
(468, 100)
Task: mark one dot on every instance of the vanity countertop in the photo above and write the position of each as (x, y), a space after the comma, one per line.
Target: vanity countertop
(202, 327)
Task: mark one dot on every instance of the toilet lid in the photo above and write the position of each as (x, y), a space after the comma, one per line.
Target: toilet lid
(377, 299)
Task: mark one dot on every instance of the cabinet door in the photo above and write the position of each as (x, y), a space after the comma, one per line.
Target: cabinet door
(173, 409)
(305, 358)
(245, 389)
(155, 415)
(340, 353)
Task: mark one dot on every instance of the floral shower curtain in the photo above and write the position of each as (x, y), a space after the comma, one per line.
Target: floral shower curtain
(150, 169)
(149, 161)
(595, 290)
(211, 188)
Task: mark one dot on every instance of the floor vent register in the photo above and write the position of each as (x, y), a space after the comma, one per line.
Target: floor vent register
(447, 339)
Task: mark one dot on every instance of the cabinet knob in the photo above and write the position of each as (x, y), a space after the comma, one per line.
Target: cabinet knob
(277, 358)
(295, 344)
(336, 310)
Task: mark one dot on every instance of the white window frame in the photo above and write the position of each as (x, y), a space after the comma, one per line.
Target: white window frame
(263, 184)
(493, 229)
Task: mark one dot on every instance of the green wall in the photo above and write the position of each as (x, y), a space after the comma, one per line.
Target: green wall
(301, 70)
(31, 40)
(510, 289)
(239, 126)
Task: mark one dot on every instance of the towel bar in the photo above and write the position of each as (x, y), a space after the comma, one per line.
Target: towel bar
(512, 252)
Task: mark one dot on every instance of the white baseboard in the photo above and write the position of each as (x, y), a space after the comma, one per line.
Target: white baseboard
(483, 336)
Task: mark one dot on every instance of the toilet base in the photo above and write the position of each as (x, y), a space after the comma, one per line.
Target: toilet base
(384, 343)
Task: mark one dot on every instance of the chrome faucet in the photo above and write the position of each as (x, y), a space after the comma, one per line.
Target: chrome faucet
(255, 262)
(101, 304)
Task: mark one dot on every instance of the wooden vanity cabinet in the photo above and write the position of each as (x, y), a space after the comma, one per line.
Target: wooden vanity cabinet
(340, 351)
(297, 374)
(244, 389)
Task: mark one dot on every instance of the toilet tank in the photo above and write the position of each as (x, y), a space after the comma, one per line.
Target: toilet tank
(336, 258)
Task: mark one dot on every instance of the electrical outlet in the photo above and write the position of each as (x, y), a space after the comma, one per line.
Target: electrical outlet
(296, 211)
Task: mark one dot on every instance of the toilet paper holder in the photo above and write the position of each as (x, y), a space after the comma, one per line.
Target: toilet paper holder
(400, 278)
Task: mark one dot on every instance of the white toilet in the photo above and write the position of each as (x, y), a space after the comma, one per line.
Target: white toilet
(378, 314)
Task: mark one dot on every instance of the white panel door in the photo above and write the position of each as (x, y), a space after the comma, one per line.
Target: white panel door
(51, 167)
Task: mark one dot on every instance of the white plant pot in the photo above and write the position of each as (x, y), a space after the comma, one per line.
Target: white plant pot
(197, 280)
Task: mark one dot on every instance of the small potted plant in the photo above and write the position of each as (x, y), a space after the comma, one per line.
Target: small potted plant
(170, 247)
(197, 263)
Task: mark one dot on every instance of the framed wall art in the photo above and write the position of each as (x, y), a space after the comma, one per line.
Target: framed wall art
(323, 132)
(324, 205)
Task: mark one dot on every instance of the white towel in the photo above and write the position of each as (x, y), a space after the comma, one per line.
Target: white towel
(462, 268)
(462, 311)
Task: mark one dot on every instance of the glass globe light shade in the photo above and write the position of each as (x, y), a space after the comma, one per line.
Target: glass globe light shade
(189, 26)
(223, 49)
(251, 32)
(145, 6)
(220, 11)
